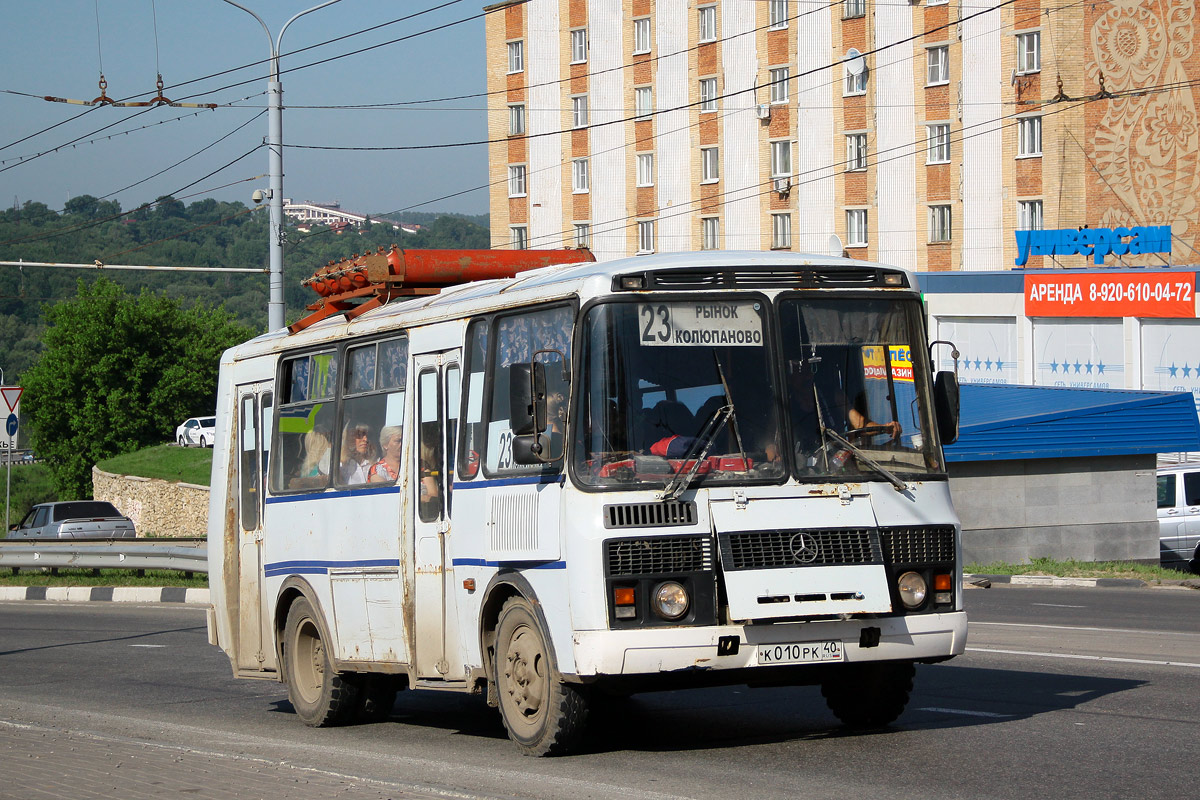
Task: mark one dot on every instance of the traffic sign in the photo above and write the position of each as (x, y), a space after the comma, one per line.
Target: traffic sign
(10, 425)
(12, 396)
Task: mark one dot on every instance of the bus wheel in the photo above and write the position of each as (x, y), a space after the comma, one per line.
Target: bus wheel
(320, 696)
(869, 695)
(543, 715)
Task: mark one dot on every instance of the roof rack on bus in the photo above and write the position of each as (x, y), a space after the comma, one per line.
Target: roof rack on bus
(355, 285)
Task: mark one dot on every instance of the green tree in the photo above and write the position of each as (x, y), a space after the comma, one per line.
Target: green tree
(118, 372)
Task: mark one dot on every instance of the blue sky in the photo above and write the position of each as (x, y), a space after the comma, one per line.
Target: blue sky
(50, 47)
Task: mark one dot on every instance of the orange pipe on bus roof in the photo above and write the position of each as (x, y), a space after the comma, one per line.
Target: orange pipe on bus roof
(449, 267)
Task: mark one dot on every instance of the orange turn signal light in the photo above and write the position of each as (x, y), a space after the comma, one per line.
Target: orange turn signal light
(623, 596)
(941, 583)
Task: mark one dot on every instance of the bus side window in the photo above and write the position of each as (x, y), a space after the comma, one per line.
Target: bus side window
(429, 447)
(474, 437)
(304, 423)
(374, 400)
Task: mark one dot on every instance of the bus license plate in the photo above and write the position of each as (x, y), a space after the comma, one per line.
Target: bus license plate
(803, 653)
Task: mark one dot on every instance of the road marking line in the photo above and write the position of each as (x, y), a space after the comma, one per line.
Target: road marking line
(147, 645)
(1081, 628)
(1055, 605)
(965, 713)
(1085, 658)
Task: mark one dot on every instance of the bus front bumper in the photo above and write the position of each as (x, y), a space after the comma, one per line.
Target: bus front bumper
(728, 647)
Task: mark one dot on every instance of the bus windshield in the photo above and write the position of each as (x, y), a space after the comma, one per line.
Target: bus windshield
(677, 387)
(853, 377)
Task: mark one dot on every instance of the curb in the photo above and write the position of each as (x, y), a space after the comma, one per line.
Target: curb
(177, 595)
(1053, 580)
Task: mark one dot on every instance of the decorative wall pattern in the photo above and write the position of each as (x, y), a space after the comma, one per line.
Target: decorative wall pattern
(1145, 148)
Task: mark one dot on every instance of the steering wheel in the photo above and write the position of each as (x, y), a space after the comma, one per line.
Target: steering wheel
(868, 430)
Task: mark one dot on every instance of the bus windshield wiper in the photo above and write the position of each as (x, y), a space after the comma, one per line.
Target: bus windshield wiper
(863, 457)
(697, 453)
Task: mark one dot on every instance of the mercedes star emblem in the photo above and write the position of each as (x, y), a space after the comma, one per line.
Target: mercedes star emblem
(804, 548)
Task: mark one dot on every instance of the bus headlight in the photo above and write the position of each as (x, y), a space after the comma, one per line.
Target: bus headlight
(670, 600)
(912, 589)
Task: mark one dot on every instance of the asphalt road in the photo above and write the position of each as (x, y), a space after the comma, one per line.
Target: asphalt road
(1063, 693)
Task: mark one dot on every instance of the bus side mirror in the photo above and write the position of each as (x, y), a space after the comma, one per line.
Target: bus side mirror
(533, 448)
(945, 406)
(527, 398)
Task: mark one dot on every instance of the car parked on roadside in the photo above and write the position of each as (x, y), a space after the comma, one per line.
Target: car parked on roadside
(74, 519)
(196, 431)
(1179, 516)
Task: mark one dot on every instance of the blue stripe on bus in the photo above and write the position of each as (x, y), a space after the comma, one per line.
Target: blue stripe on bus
(481, 562)
(318, 567)
(522, 481)
(324, 495)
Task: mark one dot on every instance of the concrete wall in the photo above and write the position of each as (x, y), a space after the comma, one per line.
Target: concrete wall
(157, 508)
(1095, 509)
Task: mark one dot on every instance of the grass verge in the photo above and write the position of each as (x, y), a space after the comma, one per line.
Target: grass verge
(103, 577)
(166, 462)
(1151, 573)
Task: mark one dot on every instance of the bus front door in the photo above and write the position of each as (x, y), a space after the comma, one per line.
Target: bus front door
(251, 449)
(439, 384)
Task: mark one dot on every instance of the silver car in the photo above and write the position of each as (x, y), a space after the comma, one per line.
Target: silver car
(74, 519)
(1179, 516)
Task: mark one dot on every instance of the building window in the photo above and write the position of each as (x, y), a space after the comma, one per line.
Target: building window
(779, 14)
(938, 143)
(939, 223)
(579, 45)
(708, 94)
(1029, 215)
(854, 8)
(646, 236)
(645, 169)
(579, 111)
(580, 181)
(708, 23)
(641, 35)
(938, 61)
(583, 235)
(1029, 136)
(779, 84)
(855, 83)
(519, 237)
(643, 101)
(710, 169)
(516, 180)
(710, 233)
(781, 159)
(781, 231)
(1029, 52)
(856, 152)
(516, 56)
(856, 227)
(516, 119)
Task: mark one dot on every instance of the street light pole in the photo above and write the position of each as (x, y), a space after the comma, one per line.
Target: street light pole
(275, 304)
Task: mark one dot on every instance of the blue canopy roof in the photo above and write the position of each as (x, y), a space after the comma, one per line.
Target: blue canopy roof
(1000, 422)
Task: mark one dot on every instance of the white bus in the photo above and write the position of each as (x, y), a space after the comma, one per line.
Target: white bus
(592, 478)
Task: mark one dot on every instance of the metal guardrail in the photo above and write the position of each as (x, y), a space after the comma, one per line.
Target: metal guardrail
(184, 555)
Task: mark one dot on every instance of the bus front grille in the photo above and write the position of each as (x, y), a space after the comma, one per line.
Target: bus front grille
(917, 545)
(650, 515)
(778, 549)
(658, 555)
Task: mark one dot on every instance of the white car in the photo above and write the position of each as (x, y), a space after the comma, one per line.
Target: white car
(197, 430)
(1179, 516)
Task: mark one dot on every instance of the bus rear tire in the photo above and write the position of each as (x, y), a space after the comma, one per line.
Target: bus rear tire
(869, 695)
(544, 716)
(320, 696)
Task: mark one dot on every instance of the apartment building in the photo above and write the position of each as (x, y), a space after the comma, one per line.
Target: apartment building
(921, 133)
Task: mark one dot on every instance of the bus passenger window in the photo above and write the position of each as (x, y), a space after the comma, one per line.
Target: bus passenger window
(304, 423)
(429, 453)
(372, 412)
(473, 430)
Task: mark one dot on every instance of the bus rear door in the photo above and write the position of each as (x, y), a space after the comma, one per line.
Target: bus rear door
(252, 448)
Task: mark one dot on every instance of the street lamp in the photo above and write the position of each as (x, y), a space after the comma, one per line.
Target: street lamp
(275, 304)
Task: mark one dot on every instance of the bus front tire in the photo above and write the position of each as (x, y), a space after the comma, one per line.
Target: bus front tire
(544, 716)
(320, 696)
(869, 695)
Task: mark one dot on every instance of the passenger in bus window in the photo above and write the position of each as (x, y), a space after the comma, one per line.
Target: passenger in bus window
(430, 483)
(387, 469)
(313, 470)
(358, 454)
